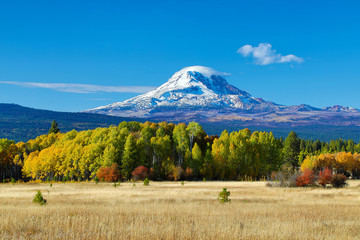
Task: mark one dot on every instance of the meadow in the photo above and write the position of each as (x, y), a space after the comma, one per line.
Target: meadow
(169, 210)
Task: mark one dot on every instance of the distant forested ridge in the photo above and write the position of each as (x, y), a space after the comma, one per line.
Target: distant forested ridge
(20, 123)
(166, 151)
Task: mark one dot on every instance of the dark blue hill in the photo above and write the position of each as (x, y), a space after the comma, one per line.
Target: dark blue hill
(23, 123)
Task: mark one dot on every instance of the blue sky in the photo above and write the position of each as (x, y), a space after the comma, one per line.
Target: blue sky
(112, 45)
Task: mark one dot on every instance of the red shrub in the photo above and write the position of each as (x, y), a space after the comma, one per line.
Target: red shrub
(140, 172)
(306, 179)
(325, 177)
(109, 174)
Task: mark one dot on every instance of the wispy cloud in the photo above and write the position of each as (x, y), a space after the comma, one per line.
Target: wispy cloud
(100, 99)
(263, 54)
(81, 88)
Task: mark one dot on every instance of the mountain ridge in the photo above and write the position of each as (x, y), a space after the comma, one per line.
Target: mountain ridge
(23, 123)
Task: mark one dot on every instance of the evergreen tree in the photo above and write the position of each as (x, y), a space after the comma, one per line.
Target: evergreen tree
(317, 145)
(292, 150)
(302, 145)
(54, 127)
(350, 146)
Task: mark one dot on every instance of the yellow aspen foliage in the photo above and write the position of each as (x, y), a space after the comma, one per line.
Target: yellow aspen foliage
(308, 163)
(326, 160)
(345, 161)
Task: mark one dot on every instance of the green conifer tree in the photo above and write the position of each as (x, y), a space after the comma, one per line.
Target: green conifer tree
(292, 150)
(54, 127)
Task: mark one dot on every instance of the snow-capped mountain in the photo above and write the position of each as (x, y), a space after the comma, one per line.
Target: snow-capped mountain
(202, 93)
(193, 87)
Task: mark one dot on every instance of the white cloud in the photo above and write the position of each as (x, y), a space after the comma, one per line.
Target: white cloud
(81, 88)
(264, 55)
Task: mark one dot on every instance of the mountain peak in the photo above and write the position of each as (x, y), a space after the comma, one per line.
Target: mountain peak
(205, 71)
(204, 78)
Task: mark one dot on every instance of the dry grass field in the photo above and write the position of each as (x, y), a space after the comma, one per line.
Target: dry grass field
(168, 210)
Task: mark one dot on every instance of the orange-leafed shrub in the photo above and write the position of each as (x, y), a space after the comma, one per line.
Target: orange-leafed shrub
(109, 174)
(140, 172)
(325, 177)
(176, 173)
(189, 173)
(306, 179)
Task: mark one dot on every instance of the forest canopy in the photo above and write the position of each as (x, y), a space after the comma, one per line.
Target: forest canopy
(166, 151)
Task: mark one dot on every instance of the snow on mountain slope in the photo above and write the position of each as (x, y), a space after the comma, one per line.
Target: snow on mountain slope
(192, 87)
(338, 108)
(202, 93)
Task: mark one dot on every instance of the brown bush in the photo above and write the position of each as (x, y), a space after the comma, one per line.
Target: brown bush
(338, 180)
(273, 175)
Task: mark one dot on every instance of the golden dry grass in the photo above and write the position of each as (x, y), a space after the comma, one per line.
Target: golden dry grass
(167, 210)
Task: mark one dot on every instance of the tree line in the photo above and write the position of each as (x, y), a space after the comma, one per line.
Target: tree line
(170, 152)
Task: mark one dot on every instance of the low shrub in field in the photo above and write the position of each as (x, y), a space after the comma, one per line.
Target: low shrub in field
(38, 199)
(109, 174)
(306, 179)
(146, 182)
(140, 172)
(224, 196)
(97, 180)
(284, 178)
(338, 180)
(325, 177)
(273, 175)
